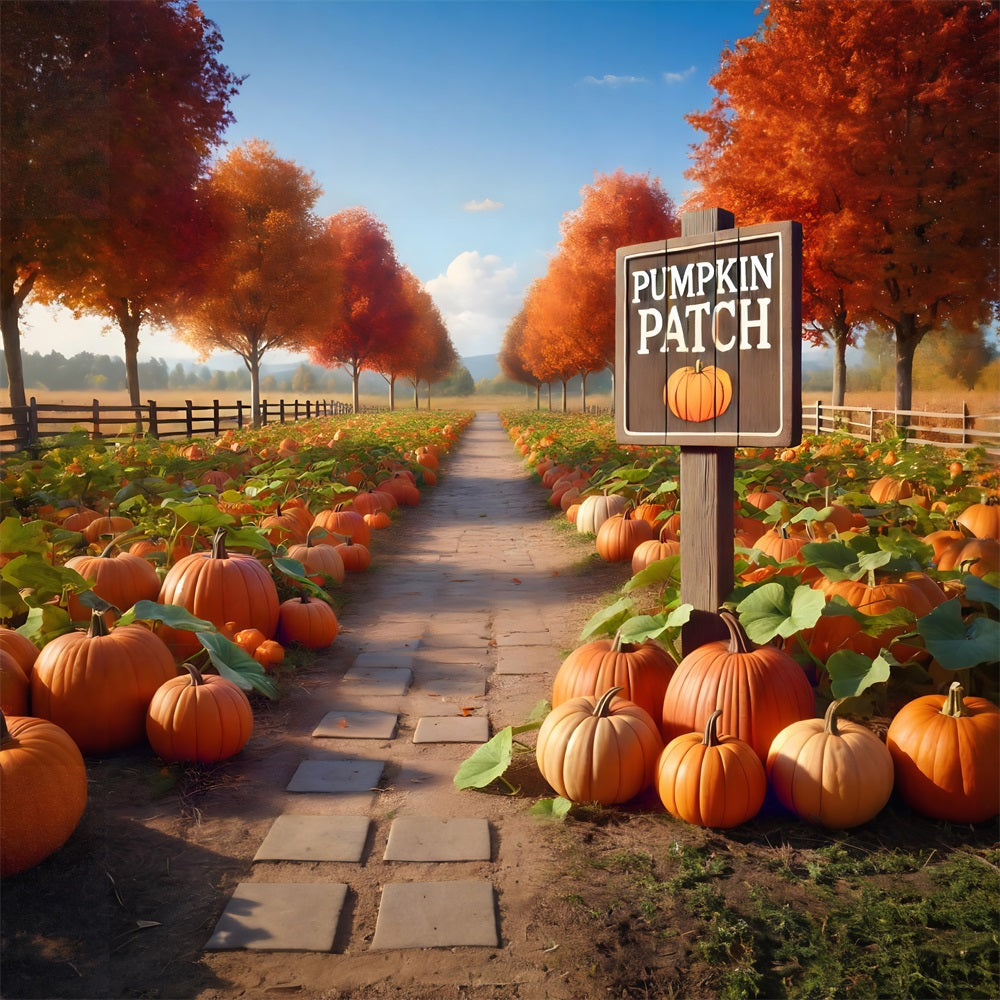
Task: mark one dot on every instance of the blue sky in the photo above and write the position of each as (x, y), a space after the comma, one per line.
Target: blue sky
(469, 129)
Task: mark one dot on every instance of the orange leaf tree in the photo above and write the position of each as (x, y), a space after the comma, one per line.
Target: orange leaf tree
(430, 355)
(109, 110)
(263, 287)
(358, 326)
(511, 357)
(876, 126)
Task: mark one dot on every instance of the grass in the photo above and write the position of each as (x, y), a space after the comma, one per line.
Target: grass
(851, 923)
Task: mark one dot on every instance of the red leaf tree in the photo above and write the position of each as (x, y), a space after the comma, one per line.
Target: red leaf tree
(876, 126)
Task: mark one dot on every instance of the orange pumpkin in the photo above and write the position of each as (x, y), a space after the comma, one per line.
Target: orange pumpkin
(982, 519)
(711, 780)
(121, 579)
(13, 685)
(307, 621)
(651, 551)
(198, 718)
(698, 393)
(760, 690)
(343, 522)
(946, 752)
(321, 562)
(43, 791)
(619, 536)
(593, 749)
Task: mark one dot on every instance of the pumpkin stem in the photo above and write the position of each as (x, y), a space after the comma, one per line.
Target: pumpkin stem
(711, 738)
(603, 706)
(739, 641)
(954, 703)
(830, 717)
(219, 544)
(98, 626)
(618, 644)
(195, 673)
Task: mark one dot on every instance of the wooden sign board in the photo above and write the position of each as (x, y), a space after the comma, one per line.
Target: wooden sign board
(709, 339)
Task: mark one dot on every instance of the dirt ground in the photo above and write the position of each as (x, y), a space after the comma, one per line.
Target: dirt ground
(604, 904)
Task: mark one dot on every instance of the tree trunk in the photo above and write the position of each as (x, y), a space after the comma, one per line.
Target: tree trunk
(392, 393)
(416, 394)
(11, 300)
(908, 336)
(129, 322)
(253, 365)
(538, 395)
(583, 392)
(355, 376)
(565, 397)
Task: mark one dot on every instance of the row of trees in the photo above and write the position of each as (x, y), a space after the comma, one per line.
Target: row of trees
(873, 124)
(110, 114)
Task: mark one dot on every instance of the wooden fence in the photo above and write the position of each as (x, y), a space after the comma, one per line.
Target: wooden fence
(960, 430)
(50, 420)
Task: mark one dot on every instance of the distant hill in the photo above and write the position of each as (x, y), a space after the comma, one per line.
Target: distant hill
(482, 366)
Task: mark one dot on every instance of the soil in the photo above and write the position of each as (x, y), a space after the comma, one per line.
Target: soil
(125, 908)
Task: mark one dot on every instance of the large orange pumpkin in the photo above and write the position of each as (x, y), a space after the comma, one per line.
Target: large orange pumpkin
(698, 393)
(198, 718)
(321, 562)
(43, 791)
(982, 519)
(711, 780)
(641, 672)
(219, 587)
(307, 621)
(121, 579)
(829, 771)
(760, 690)
(598, 749)
(619, 536)
(946, 752)
(343, 522)
(98, 684)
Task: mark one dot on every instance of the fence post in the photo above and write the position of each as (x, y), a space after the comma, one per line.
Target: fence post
(189, 417)
(96, 419)
(33, 438)
(281, 410)
(215, 417)
(965, 422)
(154, 430)
(871, 425)
(263, 413)
(239, 414)
(819, 411)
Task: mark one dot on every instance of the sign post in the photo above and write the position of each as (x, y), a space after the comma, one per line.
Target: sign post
(708, 357)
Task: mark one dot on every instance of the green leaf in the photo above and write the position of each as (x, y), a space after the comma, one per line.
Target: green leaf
(658, 627)
(661, 571)
(294, 570)
(488, 762)
(955, 643)
(46, 623)
(203, 513)
(18, 537)
(773, 610)
(39, 582)
(172, 615)
(835, 560)
(608, 620)
(851, 672)
(236, 664)
(247, 537)
(557, 808)
(871, 561)
(980, 591)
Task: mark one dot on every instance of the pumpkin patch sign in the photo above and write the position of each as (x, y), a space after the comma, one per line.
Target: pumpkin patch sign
(709, 339)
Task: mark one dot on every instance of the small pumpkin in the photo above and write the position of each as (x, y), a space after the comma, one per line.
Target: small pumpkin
(20, 647)
(321, 562)
(890, 489)
(355, 556)
(14, 685)
(620, 535)
(982, 519)
(946, 752)
(651, 551)
(602, 749)
(830, 771)
(269, 653)
(198, 717)
(43, 791)
(698, 393)
(596, 509)
(711, 780)
(113, 525)
(120, 578)
(343, 522)
(307, 621)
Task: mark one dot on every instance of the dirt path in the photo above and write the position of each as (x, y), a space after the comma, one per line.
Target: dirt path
(473, 600)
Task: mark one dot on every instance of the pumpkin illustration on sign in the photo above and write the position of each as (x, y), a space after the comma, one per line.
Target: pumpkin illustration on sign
(697, 393)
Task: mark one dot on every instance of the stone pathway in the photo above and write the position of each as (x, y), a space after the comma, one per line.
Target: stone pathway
(451, 634)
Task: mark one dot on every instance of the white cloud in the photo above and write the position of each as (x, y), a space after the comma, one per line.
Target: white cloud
(485, 205)
(610, 80)
(478, 296)
(679, 77)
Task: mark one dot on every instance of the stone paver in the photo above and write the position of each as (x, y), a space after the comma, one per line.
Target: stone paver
(424, 838)
(451, 914)
(315, 838)
(386, 681)
(280, 916)
(384, 658)
(527, 660)
(452, 729)
(334, 776)
(357, 725)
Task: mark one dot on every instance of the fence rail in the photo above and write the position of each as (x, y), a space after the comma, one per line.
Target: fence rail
(41, 421)
(960, 430)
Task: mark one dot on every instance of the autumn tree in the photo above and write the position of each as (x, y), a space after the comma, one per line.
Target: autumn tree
(108, 112)
(358, 327)
(876, 126)
(267, 282)
(511, 356)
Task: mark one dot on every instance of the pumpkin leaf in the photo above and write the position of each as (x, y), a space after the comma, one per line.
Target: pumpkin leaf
(557, 808)
(171, 615)
(658, 627)
(955, 643)
(39, 583)
(236, 664)
(608, 620)
(294, 570)
(46, 623)
(488, 762)
(204, 513)
(661, 571)
(775, 609)
(835, 560)
(16, 536)
(851, 672)
(981, 591)
(247, 537)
